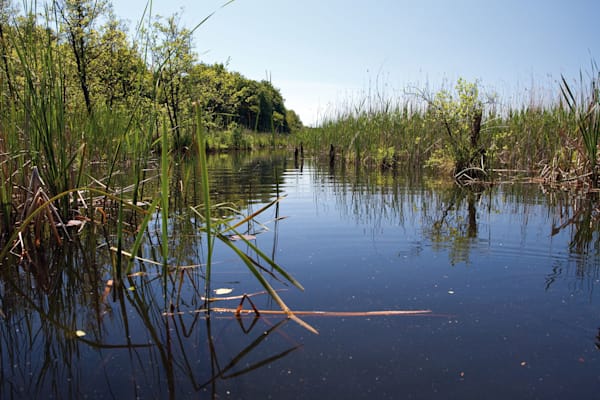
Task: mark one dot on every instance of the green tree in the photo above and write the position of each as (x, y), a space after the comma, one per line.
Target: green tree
(79, 22)
(6, 10)
(293, 121)
(271, 109)
(460, 117)
(118, 65)
(218, 94)
(173, 60)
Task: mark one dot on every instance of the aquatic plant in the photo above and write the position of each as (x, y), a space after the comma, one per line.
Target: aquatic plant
(586, 111)
(217, 230)
(461, 119)
(65, 190)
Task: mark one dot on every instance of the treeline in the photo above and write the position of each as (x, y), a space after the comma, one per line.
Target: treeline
(102, 68)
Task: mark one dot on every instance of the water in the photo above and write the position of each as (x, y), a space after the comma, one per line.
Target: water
(509, 272)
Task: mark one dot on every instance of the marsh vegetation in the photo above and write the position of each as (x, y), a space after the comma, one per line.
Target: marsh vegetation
(469, 135)
(135, 202)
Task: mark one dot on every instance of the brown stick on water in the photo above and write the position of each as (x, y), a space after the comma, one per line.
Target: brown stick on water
(313, 313)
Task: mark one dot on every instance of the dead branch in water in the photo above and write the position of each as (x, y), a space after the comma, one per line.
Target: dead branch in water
(236, 312)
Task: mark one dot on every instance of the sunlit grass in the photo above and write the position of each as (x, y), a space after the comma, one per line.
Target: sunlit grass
(586, 111)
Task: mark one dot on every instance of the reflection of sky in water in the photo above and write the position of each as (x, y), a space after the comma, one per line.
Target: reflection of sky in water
(521, 308)
(515, 311)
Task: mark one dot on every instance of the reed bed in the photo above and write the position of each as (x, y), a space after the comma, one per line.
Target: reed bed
(542, 139)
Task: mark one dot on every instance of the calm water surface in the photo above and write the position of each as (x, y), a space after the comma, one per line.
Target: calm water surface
(509, 272)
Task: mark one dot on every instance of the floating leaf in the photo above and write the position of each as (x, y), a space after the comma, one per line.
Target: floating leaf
(240, 237)
(223, 291)
(79, 333)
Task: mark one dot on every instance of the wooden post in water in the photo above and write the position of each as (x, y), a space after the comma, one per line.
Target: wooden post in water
(331, 156)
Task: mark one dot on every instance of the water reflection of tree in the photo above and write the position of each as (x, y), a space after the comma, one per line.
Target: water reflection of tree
(131, 348)
(580, 216)
(371, 197)
(242, 178)
(448, 213)
(450, 221)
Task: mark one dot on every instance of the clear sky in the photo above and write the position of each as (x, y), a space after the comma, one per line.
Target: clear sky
(321, 53)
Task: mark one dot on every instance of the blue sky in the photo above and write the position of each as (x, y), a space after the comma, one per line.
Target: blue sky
(323, 53)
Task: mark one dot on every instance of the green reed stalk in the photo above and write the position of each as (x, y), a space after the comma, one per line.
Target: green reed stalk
(587, 115)
(5, 201)
(164, 192)
(44, 104)
(204, 184)
(119, 255)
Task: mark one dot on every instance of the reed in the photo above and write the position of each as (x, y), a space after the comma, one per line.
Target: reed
(381, 134)
(433, 132)
(586, 111)
(216, 229)
(204, 187)
(43, 104)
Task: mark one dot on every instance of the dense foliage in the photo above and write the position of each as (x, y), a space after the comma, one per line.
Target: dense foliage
(104, 69)
(77, 89)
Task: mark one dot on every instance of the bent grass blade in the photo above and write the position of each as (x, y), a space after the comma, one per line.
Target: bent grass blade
(24, 224)
(262, 255)
(285, 309)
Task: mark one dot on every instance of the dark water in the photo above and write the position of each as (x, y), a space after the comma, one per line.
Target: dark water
(510, 273)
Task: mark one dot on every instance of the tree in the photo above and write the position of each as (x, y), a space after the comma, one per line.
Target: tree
(461, 118)
(118, 64)
(271, 109)
(293, 121)
(80, 18)
(6, 9)
(230, 97)
(173, 60)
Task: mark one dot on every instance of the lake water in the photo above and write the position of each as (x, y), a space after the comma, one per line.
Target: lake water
(510, 273)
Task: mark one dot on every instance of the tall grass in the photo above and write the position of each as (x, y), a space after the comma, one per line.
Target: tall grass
(380, 136)
(586, 111)
(62, 139)
(407, 131)
(43, 104)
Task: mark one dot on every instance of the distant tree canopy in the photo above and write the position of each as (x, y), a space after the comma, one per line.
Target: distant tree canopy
(105, 70)
(229, 96)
